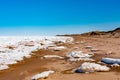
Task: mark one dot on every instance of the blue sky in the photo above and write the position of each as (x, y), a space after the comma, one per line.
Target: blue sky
(51, 17)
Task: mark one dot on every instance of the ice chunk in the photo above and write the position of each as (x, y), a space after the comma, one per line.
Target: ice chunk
(79, 56)
(42, 75)
(53, 56)
(91, 67)
(58, 48)
(111, 60)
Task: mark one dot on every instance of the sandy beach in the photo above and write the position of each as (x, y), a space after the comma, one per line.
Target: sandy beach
(25, 69)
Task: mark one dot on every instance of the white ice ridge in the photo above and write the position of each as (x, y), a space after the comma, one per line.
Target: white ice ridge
(91, 67)
(111, 60)
(79, 55)
(42, 75)
(16, 48)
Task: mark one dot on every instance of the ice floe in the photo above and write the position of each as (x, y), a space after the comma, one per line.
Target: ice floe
(91, 67)
(42, 75)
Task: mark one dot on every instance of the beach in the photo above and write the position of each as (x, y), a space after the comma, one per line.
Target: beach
(25, 69)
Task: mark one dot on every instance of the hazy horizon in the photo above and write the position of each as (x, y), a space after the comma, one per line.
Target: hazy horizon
(52, 17)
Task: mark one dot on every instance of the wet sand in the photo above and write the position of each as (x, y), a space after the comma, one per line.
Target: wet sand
(24, 70)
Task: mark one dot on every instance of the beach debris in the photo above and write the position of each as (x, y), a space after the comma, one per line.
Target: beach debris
(53, 56)
(42, 75)
(79, 55)
(111, 60)
(87, 67)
